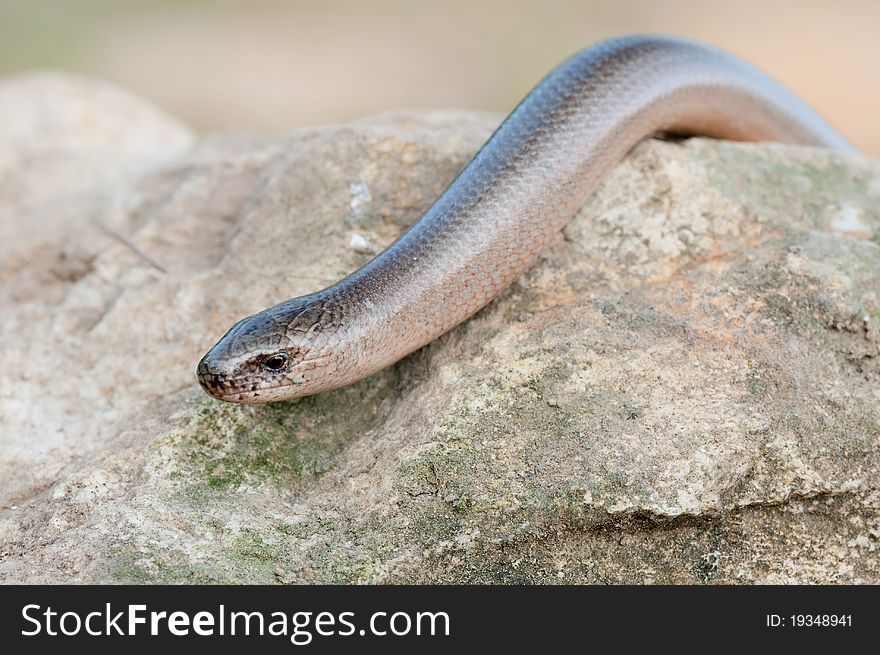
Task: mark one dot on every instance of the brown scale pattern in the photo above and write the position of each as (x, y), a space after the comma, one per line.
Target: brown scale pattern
(494, 219)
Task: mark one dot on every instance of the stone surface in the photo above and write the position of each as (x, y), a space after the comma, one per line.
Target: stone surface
(686, 388)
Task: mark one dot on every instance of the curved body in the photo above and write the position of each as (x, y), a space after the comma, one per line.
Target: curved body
(494, 219)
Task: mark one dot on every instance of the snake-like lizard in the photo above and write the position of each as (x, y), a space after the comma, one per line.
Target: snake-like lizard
(492, 221)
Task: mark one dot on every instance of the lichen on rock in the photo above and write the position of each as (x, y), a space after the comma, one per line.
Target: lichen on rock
(686, 387)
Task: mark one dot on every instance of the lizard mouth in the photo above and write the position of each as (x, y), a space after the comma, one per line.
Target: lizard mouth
(236, 386)
(224, 387)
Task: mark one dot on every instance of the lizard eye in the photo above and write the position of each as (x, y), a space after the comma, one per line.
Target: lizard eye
(275, 362)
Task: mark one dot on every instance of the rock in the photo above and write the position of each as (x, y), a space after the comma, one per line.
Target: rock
(65, 143)
(686, 388)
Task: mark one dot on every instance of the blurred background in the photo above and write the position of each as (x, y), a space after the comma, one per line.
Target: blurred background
(268, 66)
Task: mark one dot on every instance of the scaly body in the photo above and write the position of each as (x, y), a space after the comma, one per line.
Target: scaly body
(494, 219)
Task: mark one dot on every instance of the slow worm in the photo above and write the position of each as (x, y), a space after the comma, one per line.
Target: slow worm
(493, 220)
